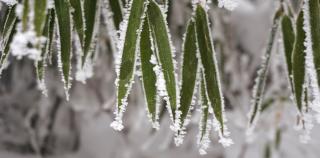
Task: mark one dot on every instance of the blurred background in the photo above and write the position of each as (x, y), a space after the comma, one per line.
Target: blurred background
(34, 126)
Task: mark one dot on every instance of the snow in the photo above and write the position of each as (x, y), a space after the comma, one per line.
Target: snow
(9, 2)
(24, 44)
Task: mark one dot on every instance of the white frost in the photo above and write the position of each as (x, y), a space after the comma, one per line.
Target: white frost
(228, 4)
(9, 2)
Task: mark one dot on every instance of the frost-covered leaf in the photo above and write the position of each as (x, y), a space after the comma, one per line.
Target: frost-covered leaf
(205, 123)
(298, 62)
(7, 32)
(77, 16)
(116, 8)
(48, 31)
(25, 15)
(40, 10)
(128, 59)
(148, 75)
(6, 48)
(189, 71)
(90, 13)
(64, 27)
(258, 88)
(209, 64)
(288, 41)
(164, 54)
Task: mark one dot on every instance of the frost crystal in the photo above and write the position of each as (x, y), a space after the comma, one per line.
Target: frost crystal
(24, 44)
(9, 2)
(228, 4)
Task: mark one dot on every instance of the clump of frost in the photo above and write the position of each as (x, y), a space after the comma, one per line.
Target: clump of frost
(203, 137)
(228, 4)
(9, 2)
(85, 72)
(24, 44)
(42, 86)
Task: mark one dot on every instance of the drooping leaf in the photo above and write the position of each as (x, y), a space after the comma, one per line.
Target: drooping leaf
(116, 8)
(209, 63)
(25, 15)
(288, 41)
(128, 59)
(204, 108)
(161, 39)
(40, 10)
(64, 25)
(90, 13)
(5, 52)
(262, 73)
(9, 21)
(48, 34)
(298, 62)
(77, 16)
(189, 70)
(148, 75)
(313, 18)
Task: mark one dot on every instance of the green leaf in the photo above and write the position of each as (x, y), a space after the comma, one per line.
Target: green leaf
(189, 70)
(5, 53)
(210, 68)
(90, 11)
(298, 62)
(116, 8)
(164, 55)
(25, 15)
(40, 10)
(204, 108)
(127, 66)
(314, 20)
(64, 25)
(148, 75)
(10, 19)
(77, 16)
(288, 41)
(262, 73)
(48, 34)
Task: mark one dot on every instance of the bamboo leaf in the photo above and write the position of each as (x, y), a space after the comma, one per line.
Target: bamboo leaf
(298, 62)
(128, 59)
(48, 34)
(77, 16)
(90, 11)
(25, 15)
(64, 25)
(5, 53)
(10, 19)
(210, 68)
(314, 21)
(288, 41)
(161, 39)
(116, 8)
(205, 110)
(40, 9)
(262, 73)
(148, 75)
(189, 71)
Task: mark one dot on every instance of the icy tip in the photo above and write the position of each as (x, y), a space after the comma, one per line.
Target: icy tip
(117, 125)
(225, 142)
(202, 151)
(178, 140)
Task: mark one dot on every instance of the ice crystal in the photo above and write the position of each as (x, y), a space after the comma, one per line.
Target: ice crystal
(24, 44)
(9, 2)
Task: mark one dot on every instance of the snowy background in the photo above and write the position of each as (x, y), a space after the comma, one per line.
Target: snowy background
(31, 123)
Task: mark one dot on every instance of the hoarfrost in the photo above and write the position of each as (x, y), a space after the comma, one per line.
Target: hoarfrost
(9, 2)
(228, 4)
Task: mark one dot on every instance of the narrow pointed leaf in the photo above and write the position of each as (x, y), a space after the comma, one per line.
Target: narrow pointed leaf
(210, 68)
(40, 10)
(262, 73)
(116, 8)
(298, 62)
(64, 25)
(90, 11)
(189, 70)
(48, 34)
(204, 108)
(10, 19)
(77, 16)
(314, 21)
(288, 41)
(148, 75)
(25, 15)
(161, 38)
(5, 52)
(127, 66)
